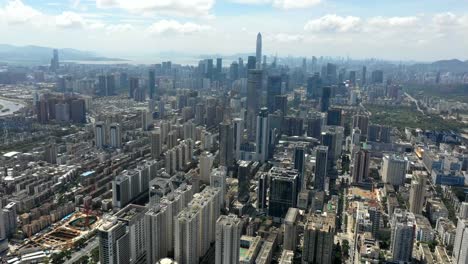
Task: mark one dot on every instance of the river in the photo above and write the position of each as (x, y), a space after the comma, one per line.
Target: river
(10, 105)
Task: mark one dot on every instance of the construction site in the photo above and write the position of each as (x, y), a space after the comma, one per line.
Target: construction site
(64, 234)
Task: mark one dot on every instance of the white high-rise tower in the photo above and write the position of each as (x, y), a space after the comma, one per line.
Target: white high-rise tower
(259, 51)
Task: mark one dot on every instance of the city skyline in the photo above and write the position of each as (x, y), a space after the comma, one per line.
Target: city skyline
(393, 31)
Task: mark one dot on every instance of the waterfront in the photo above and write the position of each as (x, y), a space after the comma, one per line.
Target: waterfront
(8, 107)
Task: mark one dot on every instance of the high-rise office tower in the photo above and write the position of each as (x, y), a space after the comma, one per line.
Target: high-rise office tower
(377, 77)
(361, 162)
(251, 63)
(156, 144)
(226, 144)
(110, 85)
(352, 77)
(273, 89)
(325, 99)
(361, 121)
(228, 231)
(281, 104)
(243, 177)
(219, 68)
(364, 76)
(123, 81)
(319, 233)
(402, 235)
(460, 249)
(114, 241)
(134, 86)
(417, 193)
(100, 134)
(238, 127)
(290, 229)
(299, 162)
(115, 136)
(54, 63)
(151, 83)
(205, 164)
(394, 170)
(332, 137)
(263, 135)
(262, 192)
(209, 71)
(314, 125)
(133, 217)
(334, 117)
(234, 72)
(331, 76)
(283, 191)
(314, 86)
(321, 167)
(78, 111)
(258, 53)
(254, 87)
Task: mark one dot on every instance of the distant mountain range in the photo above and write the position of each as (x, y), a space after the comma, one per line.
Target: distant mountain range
(456, 66)
(43, 55)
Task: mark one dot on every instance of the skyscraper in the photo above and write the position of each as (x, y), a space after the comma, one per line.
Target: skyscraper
(259, 51)
(54, 63)
(262, 192)
(393, 170)
(290, 229)
(299, 162)
(417, 193)
(254, 86)
(243, 177)
(334, 117)
(151, 83)
(263, 135)
(133, 217)
(206, 162)
(238, 127)
(402, 235)
(361, 164)
(314, 86)
(283, 191)
(364, 76)
(319, 233)
(273, 89)
(460, 249)
(321, 167)
(325, 99)
(100, 134)
(228, 231)
(226, 144)
(156, 144)
(251, 63)
(115, 136)
(114, 241)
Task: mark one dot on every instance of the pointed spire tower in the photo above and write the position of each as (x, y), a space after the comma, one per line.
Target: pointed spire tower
(259, 51)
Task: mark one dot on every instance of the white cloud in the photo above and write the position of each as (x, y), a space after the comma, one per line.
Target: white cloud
(446, 19)
(186, 8)
(69, 20)
(293, 4)
(174, 27)
(393, 21)
(285, 37)
(334, 24)
(281, 4)
(15, 12)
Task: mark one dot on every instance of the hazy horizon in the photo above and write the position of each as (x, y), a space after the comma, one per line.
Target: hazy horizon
(392, 30)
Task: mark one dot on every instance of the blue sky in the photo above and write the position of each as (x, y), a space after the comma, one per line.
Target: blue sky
(390, 29)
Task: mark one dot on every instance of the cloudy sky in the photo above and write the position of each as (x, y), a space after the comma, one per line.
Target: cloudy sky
(389, 29)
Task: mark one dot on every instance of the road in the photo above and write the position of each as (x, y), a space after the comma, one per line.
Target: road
(416, 102)
(93, 243)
